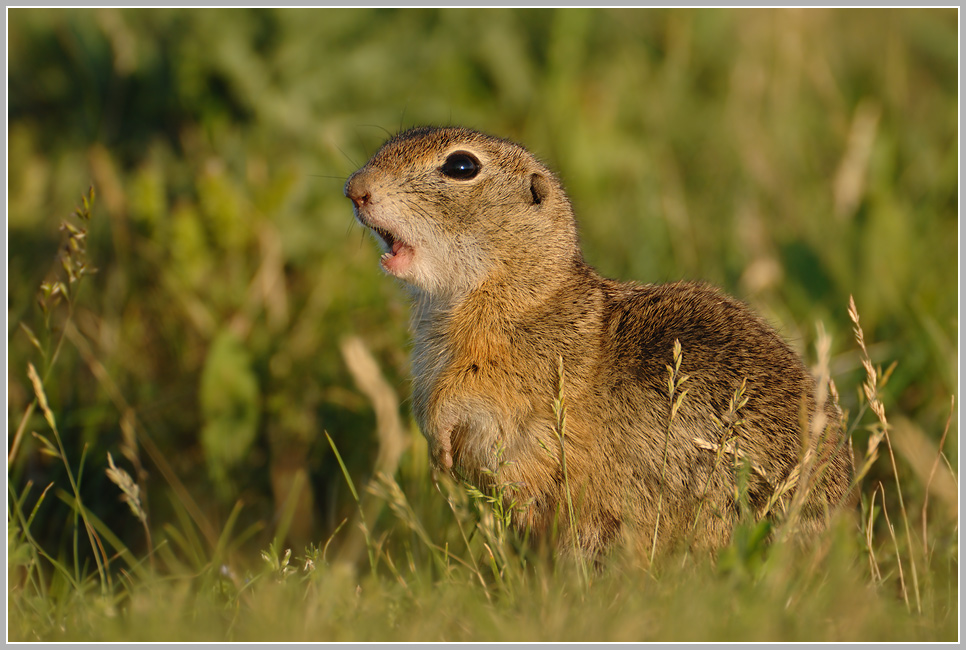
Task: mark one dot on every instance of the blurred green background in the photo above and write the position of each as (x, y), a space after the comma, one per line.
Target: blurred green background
(794, 157)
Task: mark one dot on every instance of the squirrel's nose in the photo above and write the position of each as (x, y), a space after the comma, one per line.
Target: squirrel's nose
(356, 189)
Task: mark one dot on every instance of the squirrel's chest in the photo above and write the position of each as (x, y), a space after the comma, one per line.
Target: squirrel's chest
(474, 372)
(475, 397)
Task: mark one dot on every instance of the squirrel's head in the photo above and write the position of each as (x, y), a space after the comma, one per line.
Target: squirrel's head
(454, 208)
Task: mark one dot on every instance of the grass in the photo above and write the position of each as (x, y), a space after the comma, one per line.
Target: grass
(209, 436)
(494, 587)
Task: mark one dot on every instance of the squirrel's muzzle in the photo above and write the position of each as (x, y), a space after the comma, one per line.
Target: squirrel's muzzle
(357, 189)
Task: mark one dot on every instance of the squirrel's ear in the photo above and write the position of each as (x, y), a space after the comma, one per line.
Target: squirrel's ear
(539, 188)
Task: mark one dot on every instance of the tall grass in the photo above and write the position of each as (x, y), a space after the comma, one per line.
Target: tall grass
(168, 472)
(416, 574)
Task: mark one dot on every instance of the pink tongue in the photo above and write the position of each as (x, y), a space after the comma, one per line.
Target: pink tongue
(399, 260)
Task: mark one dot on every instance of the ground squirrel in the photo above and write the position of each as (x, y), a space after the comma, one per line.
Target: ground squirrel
(507, 317)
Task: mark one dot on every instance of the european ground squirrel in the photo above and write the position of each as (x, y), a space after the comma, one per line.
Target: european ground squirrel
(508, 317)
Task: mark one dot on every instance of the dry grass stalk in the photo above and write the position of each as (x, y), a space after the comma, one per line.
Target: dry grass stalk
(923, 458)
(369, 379)
(810, 467)
(873, 563)
(389, 430)
(560, 413)
(100, 555)
(131, 495)
(932, 473)
(849, 183)
(675, 397)
(725, 446)
(895, 544)
(871, 392)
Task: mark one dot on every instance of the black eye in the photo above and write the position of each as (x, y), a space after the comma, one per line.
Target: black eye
(461, 165)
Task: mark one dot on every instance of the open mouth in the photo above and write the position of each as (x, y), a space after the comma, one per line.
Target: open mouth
(400, 255)
(386, 236)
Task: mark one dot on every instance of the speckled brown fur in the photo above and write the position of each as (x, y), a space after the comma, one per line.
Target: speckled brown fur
(502, 293)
